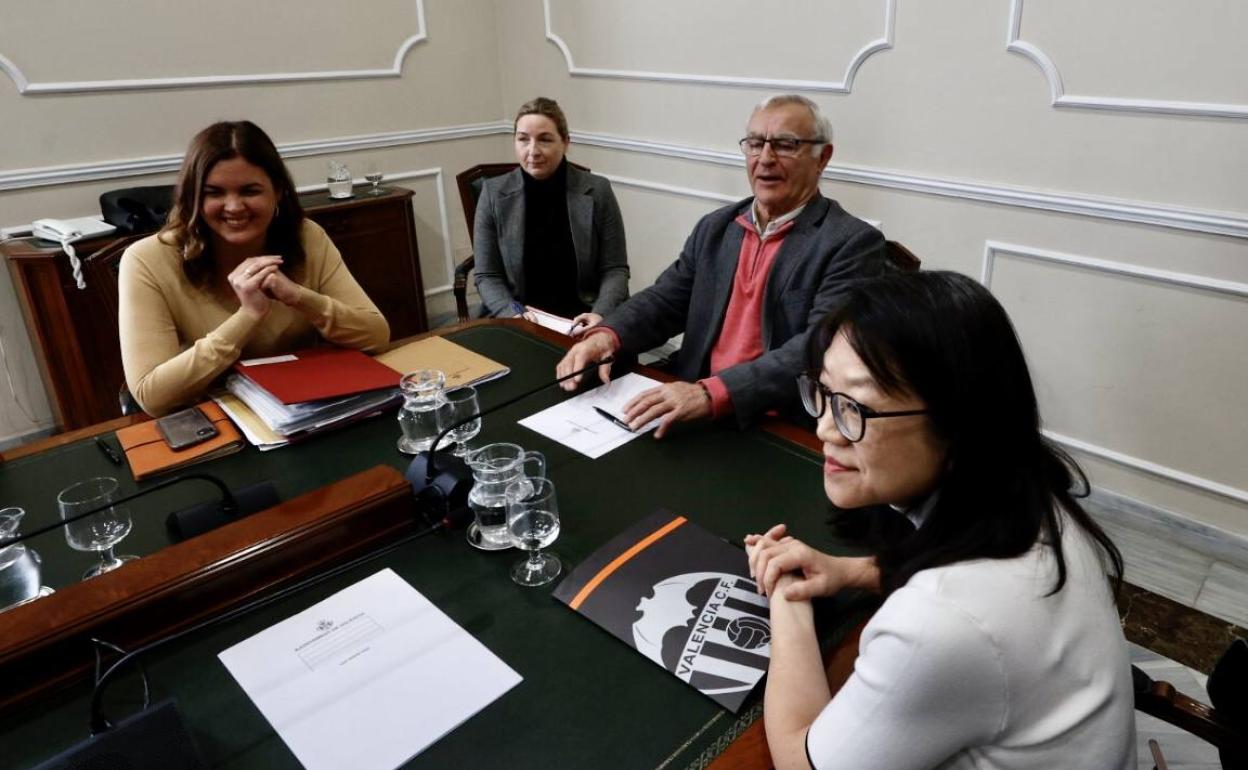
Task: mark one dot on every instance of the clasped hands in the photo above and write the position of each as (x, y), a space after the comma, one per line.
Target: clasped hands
(258, 280)
(781, 563)
(669, 403)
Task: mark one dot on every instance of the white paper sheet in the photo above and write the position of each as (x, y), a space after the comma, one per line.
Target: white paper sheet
(551, 321)
(367, 678)
(576, 425)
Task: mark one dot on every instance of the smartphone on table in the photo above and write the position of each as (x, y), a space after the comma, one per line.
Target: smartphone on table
(186, 428)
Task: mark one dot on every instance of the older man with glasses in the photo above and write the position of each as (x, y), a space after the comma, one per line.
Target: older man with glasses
(750, 281)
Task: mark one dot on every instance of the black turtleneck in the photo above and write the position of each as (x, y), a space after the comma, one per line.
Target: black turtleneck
(550, 274)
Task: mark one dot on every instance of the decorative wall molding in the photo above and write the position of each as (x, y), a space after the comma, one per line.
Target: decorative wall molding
(993, 249)
(842, 86)
(28, 88)
(443, 220)
(18, 179)
(689, 192)
(1060, 98)
(1173, 217)
(1112, 209)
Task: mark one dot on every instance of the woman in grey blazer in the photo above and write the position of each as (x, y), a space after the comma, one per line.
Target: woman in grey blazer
(549, 235)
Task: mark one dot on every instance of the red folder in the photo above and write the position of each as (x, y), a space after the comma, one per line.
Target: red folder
(316, 374)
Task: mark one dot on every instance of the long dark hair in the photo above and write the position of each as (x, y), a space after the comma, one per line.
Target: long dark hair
(944, 338)
(186, 229)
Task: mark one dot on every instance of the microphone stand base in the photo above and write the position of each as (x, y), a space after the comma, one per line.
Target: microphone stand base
(445, 496)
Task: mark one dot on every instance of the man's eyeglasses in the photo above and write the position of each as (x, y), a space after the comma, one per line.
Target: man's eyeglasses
(849, 415)
(784, 146)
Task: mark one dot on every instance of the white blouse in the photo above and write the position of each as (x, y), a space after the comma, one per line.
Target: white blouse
(971, 666)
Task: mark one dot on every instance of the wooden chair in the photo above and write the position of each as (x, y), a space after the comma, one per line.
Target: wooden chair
(900, 257)
(469, 183)
(101, 270)
(1225, 724)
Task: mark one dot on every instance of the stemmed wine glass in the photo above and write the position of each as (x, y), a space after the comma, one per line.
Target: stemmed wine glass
(373, 175)
(461, 403)
(533, 524)
(101, 531)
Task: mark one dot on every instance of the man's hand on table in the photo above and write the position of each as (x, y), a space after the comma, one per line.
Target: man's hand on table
(672, 402)
(594, 347)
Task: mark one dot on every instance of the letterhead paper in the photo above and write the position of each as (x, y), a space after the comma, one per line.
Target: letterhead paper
(367, 678)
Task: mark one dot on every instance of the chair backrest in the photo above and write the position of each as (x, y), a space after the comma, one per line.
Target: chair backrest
(1224, 725)
(900, 257)
(470, 181)
(100, 269)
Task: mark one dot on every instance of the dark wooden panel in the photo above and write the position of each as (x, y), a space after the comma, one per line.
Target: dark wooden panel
(43, 645)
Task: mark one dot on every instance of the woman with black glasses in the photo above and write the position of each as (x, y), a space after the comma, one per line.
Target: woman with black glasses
(997, 645)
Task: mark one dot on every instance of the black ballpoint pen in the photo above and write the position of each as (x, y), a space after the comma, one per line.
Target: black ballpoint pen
(613, 418)
(108, 451)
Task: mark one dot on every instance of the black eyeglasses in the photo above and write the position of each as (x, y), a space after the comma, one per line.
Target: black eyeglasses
(784, 146)
(849, 415)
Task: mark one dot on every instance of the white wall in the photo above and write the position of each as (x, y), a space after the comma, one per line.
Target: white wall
(1089, 161)
(352, 82)
(1113, 222)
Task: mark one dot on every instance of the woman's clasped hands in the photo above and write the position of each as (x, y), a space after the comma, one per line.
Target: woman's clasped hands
(258, 280)
(780, 562)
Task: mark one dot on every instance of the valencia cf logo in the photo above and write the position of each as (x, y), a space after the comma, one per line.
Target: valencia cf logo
(710, 629)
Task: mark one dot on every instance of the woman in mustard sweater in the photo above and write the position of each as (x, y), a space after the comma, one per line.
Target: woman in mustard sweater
(237, 272)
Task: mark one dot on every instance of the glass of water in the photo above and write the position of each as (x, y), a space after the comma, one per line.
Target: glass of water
(100, 532)
(461, 403)
(533, 524)
(373, 175)
(418, 417)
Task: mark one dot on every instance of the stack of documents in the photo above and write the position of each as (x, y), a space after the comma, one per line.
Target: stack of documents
(308, 391)
(287, 420)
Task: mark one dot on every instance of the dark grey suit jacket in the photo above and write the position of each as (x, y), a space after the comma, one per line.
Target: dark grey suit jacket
(597, 236)
(825, 248)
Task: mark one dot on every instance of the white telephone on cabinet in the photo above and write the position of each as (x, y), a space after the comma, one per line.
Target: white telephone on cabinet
(65, 232)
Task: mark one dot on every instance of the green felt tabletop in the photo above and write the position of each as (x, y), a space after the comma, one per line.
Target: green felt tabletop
(587, 700)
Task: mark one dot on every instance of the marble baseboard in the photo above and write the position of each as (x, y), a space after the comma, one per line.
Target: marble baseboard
(1169, 527)
(1186, 561)
(1225, 593)
(25, 438)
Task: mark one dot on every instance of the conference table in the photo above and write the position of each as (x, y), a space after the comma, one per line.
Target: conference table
(586, 699)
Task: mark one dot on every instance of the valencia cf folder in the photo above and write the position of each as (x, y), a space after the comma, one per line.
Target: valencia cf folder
(317, 374)
(683, 598)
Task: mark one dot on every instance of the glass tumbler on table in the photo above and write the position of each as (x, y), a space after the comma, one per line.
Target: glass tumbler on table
(533, 523)
(373, 175)
(101, 531)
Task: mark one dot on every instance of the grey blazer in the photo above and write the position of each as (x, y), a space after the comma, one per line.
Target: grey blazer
(597, 236)
(826, 248)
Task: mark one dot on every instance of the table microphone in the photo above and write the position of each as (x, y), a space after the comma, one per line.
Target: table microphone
(227, 506)
(441, 481)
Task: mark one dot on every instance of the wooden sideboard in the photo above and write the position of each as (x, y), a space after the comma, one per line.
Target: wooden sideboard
(74, 332)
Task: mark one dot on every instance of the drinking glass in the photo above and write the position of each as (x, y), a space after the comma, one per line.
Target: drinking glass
(533, 524)
(99, 532)
(461, 403)
(373, 175)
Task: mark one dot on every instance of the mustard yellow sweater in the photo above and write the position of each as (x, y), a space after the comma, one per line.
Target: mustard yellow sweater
(177, 339)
